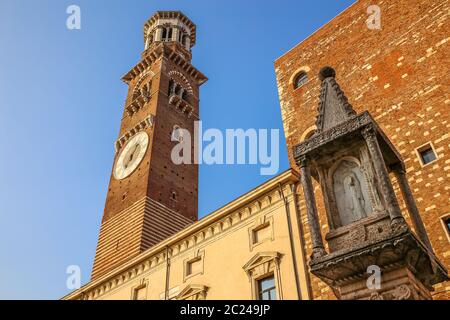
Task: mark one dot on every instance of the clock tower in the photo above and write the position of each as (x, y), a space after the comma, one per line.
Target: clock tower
(149, 197)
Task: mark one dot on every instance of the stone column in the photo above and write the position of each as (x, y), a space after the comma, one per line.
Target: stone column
(158, 34)
(412, 206)
(175, 33)
(147, 42)
(384, 180)
(188, 43)
(181, 93)
(311, 207)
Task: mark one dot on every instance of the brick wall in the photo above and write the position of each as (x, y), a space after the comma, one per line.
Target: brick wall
(400, 74)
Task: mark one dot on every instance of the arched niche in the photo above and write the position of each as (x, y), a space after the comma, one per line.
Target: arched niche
(350, 190)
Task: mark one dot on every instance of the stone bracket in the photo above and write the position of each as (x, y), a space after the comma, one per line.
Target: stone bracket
(144, 124)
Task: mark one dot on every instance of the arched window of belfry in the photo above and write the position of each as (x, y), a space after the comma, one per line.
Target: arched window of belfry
(167, 33)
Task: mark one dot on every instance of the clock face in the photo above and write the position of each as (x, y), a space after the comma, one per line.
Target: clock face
(131, 156)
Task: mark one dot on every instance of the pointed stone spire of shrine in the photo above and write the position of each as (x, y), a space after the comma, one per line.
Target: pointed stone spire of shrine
(334, 107)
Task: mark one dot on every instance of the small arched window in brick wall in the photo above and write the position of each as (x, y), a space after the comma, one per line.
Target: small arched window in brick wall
(300, 80)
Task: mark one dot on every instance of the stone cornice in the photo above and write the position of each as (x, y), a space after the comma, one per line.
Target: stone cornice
(354, 125)
(159, 51)
(399, 248)
(142, 125)
(260, 198)
(320, 139)
(171, 15)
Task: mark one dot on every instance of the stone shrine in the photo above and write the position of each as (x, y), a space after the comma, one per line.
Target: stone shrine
(351, 158)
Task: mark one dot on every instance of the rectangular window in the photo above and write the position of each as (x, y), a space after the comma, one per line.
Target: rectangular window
(194, 267)
(267, 289)
(262, 233)
(426, 154)
(447, 224)
(140, 293)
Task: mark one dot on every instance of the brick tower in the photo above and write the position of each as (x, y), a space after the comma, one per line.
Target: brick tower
(149, 197)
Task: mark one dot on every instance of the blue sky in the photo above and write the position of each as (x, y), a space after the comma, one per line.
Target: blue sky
(61, 101)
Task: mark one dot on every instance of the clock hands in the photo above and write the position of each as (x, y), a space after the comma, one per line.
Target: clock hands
(131, 156)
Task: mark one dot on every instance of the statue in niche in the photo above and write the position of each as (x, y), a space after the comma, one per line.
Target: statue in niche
(355, 200)
(351, 194)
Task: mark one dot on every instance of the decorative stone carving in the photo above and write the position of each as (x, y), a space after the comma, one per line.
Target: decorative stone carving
(320, 139)
(261, 265)
(403, 292)
(350, 156)
(333, 107)
(193, 292)
(372, 183)
(351, 193)
(387, 190)
(376, 296)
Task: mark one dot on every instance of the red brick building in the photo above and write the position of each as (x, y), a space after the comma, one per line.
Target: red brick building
(399, 73)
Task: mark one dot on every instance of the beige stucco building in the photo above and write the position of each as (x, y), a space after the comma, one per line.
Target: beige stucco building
(223, 256)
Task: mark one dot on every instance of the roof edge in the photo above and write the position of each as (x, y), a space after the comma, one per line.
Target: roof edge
(316, 31)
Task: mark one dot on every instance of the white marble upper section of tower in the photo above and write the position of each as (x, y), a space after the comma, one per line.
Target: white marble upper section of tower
(170, 26)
